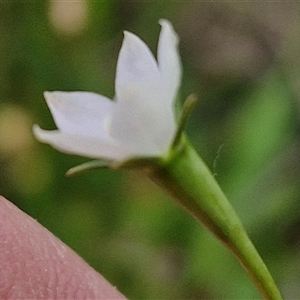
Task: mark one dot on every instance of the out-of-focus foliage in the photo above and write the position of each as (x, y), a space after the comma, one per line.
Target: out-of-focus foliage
(241, 59)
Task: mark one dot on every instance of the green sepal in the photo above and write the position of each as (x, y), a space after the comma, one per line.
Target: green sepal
(132, 163)
(90, 165)
(186, 110)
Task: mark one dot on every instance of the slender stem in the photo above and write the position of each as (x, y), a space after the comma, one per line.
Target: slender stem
(186, 177)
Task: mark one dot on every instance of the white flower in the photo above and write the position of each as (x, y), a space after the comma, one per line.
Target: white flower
(140, 122)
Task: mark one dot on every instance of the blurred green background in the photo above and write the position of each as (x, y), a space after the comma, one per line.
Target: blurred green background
(243, 62)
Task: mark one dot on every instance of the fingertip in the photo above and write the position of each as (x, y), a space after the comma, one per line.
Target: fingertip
(34, 264)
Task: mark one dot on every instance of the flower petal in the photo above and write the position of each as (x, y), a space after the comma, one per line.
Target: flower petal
(144, 115)
(137, 128)
(80, 145)
(169, 60)
(137, 71)
(81, 113)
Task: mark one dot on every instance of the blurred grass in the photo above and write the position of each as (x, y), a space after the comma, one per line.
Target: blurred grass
(242, 61)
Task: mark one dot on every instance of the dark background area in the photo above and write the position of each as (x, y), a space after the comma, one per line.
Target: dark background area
(243, 62)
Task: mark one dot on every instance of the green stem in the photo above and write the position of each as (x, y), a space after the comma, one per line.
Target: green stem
(186, 177)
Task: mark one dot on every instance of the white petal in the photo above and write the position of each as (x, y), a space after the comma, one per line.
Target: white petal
(147, 131)
(86, 146)
(137, 71)
(81, 113)
(144, 115)
(169, 60)
(138, 129)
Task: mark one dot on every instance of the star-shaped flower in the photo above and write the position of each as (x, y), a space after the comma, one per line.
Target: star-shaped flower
(139, 122)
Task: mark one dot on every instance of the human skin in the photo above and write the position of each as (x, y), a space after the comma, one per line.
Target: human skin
(34, 264)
